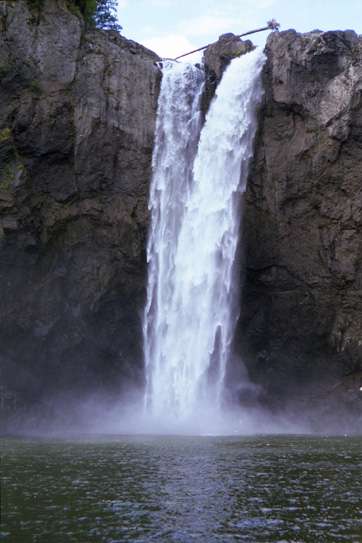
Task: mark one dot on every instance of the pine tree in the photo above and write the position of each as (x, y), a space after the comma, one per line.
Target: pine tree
(87, 8)
(105, 15)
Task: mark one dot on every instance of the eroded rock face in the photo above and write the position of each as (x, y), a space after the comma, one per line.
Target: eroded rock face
(77, 115)
(218, 55)
(216, 58)
(302, 300)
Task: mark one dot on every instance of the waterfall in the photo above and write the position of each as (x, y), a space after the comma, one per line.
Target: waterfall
(191, 313)
(177, 133)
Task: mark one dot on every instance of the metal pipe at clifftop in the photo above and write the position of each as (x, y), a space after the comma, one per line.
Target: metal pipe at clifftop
(271, 25)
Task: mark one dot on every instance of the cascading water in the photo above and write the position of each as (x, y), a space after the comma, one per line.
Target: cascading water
(191, 313)
(177, 134)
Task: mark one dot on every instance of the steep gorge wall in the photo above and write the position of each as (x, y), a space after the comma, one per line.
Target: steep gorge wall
(77, 115)
(300, 329)
(301, 322)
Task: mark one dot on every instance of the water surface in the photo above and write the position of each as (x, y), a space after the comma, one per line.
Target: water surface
(181, 489)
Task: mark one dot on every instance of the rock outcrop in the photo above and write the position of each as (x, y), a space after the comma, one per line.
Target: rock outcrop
(77, 115)
(216, 58)
(302, 301)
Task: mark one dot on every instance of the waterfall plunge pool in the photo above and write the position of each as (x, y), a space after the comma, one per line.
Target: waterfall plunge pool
(181, 489)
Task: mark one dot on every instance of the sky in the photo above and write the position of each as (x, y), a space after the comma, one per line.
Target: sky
(173, 27)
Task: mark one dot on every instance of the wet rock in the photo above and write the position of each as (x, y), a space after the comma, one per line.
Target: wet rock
(216, 58)
(77, 116)
(302, 302)
(219, 54)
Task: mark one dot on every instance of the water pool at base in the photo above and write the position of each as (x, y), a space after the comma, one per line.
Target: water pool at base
(181, 489)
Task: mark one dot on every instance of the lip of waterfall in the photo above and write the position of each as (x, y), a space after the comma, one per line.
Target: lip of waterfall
(195, 198)
(160, 63)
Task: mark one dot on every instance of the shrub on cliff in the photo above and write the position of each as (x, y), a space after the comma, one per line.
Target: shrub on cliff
(101, 13)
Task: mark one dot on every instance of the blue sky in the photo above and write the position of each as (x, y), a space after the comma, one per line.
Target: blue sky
(171, 27)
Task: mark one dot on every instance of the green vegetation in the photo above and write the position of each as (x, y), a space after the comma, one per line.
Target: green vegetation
(10, 175)
(11, 166)
(5, 69)
(106, 15)
(86, 7)
(34, 87)
(99, 13)
(5, 134)
(6, 178)
(35, 4)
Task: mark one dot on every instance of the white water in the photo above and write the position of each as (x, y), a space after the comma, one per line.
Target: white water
(191, 308)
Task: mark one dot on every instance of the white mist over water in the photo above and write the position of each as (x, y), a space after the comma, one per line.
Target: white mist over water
(191, 312)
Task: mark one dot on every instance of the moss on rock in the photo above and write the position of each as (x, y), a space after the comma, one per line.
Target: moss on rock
(5, 134)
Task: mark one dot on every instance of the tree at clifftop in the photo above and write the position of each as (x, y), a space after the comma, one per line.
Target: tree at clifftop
(102, 12)
(106, 15)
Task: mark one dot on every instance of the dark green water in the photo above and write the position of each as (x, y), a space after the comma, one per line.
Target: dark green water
(180, 489)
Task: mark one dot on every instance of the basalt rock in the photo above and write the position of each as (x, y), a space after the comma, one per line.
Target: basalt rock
(301, 324)
(216, 58)
(77, 116)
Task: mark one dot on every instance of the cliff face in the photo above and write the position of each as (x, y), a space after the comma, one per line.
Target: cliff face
(77, 115)
(302, 301)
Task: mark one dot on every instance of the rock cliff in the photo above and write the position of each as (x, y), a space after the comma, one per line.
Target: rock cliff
(300, 330)
(77, 115)
(302, 301)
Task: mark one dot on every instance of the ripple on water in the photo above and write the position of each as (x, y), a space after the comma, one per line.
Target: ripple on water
(182, 490)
